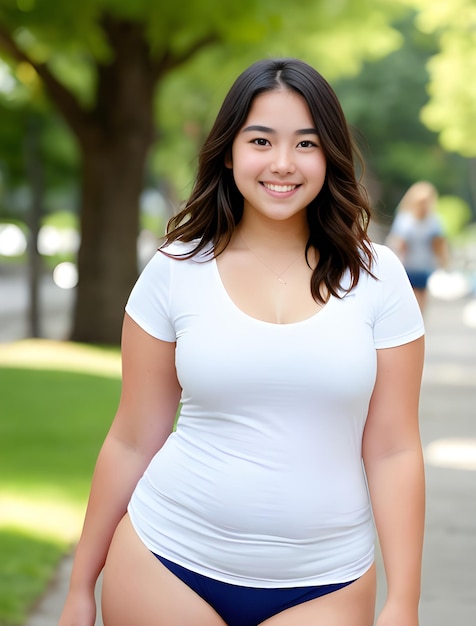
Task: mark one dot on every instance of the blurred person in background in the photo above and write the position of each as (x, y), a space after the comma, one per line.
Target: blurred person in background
(417, 237)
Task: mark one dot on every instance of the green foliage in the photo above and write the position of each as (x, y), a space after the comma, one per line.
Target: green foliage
(25, 122)
(72, 42)
(383, 104)
(453, 93)
(74, 29)
(452, 88)
(454, 213)
(61, 219)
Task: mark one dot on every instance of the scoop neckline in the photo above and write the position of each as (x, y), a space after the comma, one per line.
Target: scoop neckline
(257, 320)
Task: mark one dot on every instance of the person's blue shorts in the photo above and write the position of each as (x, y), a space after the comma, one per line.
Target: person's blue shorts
(418, 278)
(246, 606)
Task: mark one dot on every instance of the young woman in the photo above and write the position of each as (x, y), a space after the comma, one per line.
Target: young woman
(294, 348)
(418, 238)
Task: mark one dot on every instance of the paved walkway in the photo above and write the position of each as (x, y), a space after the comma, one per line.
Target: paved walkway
(448, 422)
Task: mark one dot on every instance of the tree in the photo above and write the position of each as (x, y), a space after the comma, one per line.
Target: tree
(101, 63)
(384, 103)
(452, 86)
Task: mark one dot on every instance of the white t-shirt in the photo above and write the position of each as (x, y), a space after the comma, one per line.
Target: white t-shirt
(262, 483)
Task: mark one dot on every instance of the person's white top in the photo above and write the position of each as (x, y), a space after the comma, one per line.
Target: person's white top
(418, 236)
(262, 483)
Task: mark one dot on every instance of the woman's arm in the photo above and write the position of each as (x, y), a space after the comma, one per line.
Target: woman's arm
(441, 250)
(394, 465)
(144, 419)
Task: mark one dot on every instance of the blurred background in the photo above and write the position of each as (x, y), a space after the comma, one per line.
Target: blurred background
(103, 107)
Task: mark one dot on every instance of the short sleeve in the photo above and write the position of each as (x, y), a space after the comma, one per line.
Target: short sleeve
(402, 225)
(148, 303)
(398, 319)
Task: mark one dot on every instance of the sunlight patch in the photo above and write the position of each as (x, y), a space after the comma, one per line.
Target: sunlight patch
(452, 453)
(49, 354)
(42, 517)
(469, 314)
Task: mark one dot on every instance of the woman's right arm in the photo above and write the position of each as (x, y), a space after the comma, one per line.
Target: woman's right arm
(149, 400)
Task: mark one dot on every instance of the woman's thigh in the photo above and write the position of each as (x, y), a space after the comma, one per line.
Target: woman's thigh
(138, 589)
(353, 605)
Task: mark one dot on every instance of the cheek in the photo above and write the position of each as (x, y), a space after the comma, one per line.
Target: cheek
(319, 169)
(247, 165)
(315, 174)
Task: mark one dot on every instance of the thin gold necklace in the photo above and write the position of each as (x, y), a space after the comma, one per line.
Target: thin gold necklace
(277, 274)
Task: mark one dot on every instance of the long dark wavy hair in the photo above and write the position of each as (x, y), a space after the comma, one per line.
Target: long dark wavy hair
(337, 218)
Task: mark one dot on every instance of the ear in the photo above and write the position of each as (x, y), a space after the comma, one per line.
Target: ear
(228, 160)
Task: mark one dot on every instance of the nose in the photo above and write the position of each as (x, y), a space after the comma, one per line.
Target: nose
(283, 162)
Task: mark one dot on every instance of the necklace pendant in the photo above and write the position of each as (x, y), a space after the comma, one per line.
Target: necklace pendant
(283, 282)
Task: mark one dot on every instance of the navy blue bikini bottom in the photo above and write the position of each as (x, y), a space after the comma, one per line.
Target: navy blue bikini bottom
(246, 606)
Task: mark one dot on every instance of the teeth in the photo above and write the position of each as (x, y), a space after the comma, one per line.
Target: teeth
(280, 188)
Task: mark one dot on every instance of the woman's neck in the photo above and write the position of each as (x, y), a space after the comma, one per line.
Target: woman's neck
(273, 236)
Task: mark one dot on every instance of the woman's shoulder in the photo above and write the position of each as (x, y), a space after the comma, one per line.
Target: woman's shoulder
(185, 250)
(382, 253)
(385, 261)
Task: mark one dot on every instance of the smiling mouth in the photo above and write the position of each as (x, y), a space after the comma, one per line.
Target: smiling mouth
(279, 188)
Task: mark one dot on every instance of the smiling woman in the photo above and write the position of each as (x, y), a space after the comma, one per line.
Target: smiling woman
(293, 346)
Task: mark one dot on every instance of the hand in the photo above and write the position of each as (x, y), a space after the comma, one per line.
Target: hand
(79, 609)
(398, 614)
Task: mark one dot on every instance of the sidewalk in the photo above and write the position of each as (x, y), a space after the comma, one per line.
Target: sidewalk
(448, 424)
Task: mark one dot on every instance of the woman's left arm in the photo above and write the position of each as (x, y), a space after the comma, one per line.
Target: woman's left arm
(440, 248)
(393, 461)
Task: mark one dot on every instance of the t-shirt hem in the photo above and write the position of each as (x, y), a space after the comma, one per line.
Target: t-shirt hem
(256, 583)
(401, 340)
(147, 327)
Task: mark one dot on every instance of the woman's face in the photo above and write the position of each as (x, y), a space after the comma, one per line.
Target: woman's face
(276, 158)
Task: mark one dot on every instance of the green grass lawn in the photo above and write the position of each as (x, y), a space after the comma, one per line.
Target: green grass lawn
(56, 403)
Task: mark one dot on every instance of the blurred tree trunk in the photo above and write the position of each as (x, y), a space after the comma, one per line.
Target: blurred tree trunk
(114, 139)
(107, 261)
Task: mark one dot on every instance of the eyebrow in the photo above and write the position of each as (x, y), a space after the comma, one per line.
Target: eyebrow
(265, 129)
